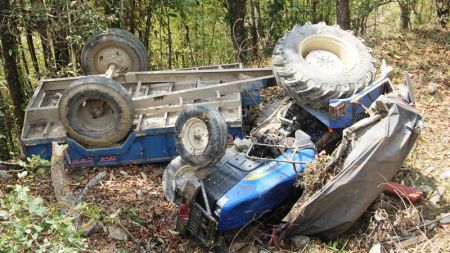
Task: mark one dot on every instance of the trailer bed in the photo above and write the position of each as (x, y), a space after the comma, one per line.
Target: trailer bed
(159, 96)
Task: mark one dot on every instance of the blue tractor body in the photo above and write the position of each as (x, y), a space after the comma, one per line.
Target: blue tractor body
(260, 190)
(242, 188)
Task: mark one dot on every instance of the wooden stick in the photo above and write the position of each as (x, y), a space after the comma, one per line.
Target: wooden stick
(60, 183)
(96, 180)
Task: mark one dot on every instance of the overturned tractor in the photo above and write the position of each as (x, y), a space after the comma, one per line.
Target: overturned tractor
(223, 175)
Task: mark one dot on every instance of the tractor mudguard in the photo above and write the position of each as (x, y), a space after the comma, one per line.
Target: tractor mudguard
(374, 149)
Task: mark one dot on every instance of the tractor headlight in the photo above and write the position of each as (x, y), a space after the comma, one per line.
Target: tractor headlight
(220, 204)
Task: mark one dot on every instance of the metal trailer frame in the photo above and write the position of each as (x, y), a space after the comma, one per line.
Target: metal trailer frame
(157, 96)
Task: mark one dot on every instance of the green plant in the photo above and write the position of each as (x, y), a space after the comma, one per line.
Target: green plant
(36, 161)
(336, 246)
(28, 224)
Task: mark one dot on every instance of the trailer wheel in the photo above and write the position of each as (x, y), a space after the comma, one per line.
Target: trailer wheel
(96, 111)
(316, 62)
(115, 46)
(201, 135)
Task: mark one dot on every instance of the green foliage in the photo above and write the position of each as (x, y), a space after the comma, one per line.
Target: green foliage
(335, 246)
(177, 34)
(36, 162)
(28, 224)
(132, 212)
(8, 133)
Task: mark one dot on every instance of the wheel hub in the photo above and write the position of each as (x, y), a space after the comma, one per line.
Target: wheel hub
(113, 55)
(96, 115)
(326, 61)
(327, 54)
(194, 136)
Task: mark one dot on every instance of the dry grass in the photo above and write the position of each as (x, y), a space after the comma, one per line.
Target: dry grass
(425, 54)
(316, 176)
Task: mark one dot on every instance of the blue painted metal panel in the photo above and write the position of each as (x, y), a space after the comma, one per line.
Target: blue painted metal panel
(352, 110)
(150, 146)
(262, 190)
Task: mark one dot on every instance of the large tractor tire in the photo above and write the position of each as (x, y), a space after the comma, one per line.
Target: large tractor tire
(115, 46)
(201, 135)
(317, 62)
(96, 111)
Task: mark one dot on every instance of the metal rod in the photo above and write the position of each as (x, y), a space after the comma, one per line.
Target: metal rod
(169, 76)
(111, 71)
(270, 159)
(198, 93)
(205, 198)
(194, 75)
(179, 107)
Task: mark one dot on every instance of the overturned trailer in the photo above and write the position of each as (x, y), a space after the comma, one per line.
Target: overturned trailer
(156, 98)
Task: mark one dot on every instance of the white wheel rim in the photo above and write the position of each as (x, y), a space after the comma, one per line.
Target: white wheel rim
(327, 54)
(194, 136)
(113, 55)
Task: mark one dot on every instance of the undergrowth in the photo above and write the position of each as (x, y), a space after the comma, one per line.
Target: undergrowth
(28, 223)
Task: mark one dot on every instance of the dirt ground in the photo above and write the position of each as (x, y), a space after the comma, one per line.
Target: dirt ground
(134, 193)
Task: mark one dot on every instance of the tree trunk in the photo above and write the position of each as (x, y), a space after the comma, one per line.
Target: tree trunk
(258, 15)
(32, 50)
(405, 14)
(254, 29)
(314, 11)
(62, 53)
(23, 69)
(29, 37)
(160, 63)
(132, 15)
(187, 38)
(343, 14)
(10, 55)
(211, 45)
(22, 56)
(46, 48)
(169, 40)
(41, 25)
(236, 21)
(148, 26)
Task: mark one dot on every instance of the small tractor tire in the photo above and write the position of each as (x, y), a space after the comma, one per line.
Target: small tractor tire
(201, 135)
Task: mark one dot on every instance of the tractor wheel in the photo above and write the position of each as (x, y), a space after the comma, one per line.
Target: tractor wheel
(115, 46)
(176, 169)
(201, 135)
(96, 111)
(316, 62)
